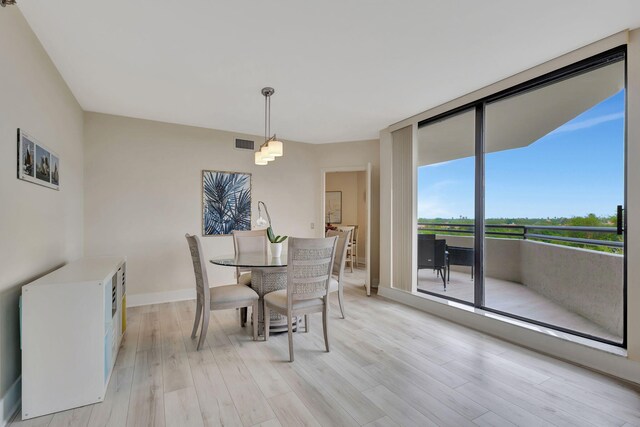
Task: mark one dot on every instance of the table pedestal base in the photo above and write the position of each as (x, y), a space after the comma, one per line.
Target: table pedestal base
(263, 281)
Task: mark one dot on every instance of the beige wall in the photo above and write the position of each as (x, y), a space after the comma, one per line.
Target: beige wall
(143, 193)
(353, 186)
(361, 220)
(40, 228)
(633, 196)
(347, 183)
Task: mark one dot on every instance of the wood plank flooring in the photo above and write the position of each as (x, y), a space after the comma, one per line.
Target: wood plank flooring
(390, 365)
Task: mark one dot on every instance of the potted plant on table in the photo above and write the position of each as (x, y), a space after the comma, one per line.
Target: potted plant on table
(276, 243)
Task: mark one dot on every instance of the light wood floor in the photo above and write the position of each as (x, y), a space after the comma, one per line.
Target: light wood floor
(389, 365)
(514, 298)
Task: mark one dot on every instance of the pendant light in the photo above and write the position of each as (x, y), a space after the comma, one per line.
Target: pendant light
(271, 148)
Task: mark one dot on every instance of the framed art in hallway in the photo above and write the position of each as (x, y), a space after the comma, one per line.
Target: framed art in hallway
(333, 207)
(37, 163)
(226, 202)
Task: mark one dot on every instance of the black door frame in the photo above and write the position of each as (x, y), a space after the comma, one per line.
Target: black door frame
(597, 61)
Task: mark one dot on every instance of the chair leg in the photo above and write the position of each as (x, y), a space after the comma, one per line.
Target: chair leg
(341, 299)
(254, 319)
(306, 323)
(290, 332)
(197, 320)
(243, 316)
(355, 247)
(325, 320)
(203, 331)
(351, 258)
(267, 319)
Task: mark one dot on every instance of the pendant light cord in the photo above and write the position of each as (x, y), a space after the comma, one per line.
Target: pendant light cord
(265, 116)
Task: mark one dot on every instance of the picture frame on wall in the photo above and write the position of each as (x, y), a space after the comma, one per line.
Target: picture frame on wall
(333, 207)
(226, 202)
(37, 163)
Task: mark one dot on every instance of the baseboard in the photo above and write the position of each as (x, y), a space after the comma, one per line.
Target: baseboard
(10, 402)
(610, 360)
(136, 300)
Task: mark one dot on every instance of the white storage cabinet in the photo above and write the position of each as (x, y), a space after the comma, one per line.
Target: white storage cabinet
(73, 320)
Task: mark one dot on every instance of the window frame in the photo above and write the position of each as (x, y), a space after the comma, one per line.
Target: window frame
(594, 62)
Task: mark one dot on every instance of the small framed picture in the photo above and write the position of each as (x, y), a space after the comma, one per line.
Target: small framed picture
(333, 207)
(37, 163)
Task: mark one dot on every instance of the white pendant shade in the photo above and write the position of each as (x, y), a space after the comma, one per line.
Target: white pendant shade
(266, 155)
(259, 159)
(275, 148)
(271, 148)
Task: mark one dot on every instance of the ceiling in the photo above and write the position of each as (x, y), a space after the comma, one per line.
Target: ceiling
(342, 69)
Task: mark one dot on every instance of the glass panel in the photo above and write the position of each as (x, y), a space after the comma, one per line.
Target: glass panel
(554, 175)
(446, 172)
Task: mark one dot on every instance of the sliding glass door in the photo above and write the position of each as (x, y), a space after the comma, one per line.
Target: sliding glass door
(446, 177)
(549, 247)
(554, 177)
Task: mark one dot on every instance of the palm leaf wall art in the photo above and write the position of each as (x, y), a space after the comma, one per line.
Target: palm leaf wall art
(226, 202)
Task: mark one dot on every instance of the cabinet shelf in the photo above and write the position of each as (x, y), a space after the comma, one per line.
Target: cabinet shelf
(73, 320)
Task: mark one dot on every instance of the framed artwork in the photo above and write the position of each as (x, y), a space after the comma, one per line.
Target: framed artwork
(226, 202)
(37, 163)
(333, 207)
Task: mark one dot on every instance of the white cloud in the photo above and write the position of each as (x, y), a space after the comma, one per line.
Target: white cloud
(584, 124)
(433, 208)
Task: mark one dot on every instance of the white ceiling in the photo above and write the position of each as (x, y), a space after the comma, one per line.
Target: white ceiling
(342, 69)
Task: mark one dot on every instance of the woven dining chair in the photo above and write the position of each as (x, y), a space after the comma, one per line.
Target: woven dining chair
(216, 298)
(309, 264)
(350, 253)
(337, 276)
(251, 241)
(248, 242)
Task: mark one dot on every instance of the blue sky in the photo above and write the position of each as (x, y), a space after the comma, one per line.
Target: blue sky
(573, 171)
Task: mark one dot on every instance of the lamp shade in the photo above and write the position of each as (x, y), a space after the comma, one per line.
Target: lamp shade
(275, 148)
(259, 159)
(266, 155)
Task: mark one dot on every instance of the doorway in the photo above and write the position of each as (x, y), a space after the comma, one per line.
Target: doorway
(346, 201)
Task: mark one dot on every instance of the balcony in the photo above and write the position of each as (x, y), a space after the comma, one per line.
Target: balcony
(546, 281)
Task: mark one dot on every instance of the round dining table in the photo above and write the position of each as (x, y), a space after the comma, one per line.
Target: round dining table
(267, 275)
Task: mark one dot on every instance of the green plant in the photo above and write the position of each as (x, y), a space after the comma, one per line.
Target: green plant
(273, 238)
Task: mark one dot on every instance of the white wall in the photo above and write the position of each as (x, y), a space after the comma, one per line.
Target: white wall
(40, 229)
(143, 193)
